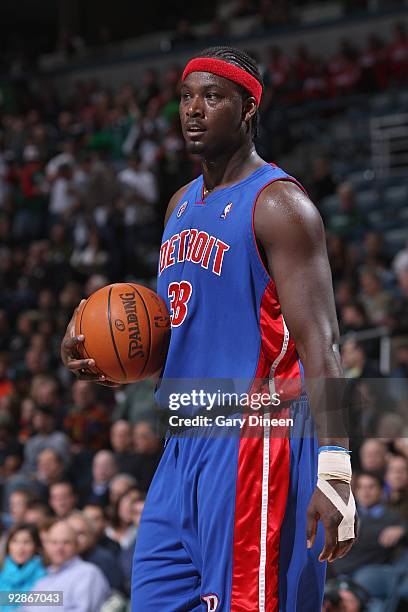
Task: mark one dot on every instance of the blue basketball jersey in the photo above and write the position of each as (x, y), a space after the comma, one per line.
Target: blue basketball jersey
(226, 318)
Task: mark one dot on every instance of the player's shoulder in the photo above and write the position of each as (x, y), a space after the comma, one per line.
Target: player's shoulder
(175, 199)
(283, 206)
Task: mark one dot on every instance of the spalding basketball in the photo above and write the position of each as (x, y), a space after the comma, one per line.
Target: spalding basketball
(127, 329)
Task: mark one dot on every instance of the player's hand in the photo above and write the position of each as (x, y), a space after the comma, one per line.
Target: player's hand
(321, 509)
(71, 356)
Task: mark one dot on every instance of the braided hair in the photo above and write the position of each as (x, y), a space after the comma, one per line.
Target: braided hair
(243, 60)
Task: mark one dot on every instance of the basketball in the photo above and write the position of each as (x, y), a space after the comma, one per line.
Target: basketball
(126, 328)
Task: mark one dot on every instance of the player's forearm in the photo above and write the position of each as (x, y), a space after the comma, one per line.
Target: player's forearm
(325, 386)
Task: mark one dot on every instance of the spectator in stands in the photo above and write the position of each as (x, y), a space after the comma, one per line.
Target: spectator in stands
(380, 530)
(149, 88)
(278, 70)
(398, 53)
(63, 499)
(355, 362)
(184, 34)
(322, 182)
(126, 554)
(5, 327)
(37, 361)
(122, 528)
(353, 318)
(400, 261)
(399, 377)
(396, 478)
(90, 551)
(137, 402)
(22, 565)
(63, 196)
(374, 64)
(376, 300)
(344, 70)
(45, 391)
(45, 436)
(121, 443)
(6, 384)
(344, 595)
(37, 512)
(148, 450)
(339, 257)
(140, 194)
(375, 255)
(92, 256)
(17, 503)
(30, 218)
(84, 586)
(347, 220)
(9, 446)
(270, 14)
(243, 8)
(373, 457)
(87, 422)
(97, 516)
(119, 485)
(390, 426)
(50, 468)
(399, 310)
(104, 468)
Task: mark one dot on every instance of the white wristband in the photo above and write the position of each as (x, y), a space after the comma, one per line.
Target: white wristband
(334, 465)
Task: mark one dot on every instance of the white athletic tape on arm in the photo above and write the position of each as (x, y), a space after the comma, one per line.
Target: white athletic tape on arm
(336, 465)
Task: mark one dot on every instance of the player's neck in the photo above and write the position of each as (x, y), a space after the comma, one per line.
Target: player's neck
(230, 167)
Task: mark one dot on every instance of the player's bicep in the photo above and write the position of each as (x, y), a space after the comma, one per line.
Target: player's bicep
(291, 233)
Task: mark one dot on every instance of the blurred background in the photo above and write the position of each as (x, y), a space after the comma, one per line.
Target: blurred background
(90, 153)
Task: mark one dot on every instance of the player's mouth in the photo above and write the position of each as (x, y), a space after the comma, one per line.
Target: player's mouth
(194, 130)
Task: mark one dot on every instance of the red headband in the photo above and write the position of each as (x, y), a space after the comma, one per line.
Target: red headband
(226, 70)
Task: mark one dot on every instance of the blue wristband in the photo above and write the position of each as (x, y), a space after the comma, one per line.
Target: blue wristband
(334, 448)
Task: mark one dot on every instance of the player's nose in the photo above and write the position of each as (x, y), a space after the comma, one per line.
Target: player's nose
(195, 107)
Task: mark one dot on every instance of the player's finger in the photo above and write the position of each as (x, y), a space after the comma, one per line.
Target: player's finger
(80, 364)
(73, 341)
(77, 308)
(330, 542)
(342, 549)
(71, 324)
(311, 528)
(336, 552)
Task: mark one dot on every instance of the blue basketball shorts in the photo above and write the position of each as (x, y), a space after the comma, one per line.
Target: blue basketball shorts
(224, 525)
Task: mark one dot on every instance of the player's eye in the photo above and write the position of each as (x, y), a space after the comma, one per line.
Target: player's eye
(212, 95)
(185, 96)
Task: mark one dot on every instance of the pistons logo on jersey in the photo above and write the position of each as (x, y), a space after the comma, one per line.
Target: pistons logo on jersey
(212, 602)
(182, 208)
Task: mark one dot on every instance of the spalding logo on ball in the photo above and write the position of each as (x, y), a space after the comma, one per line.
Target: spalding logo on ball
(127, 330)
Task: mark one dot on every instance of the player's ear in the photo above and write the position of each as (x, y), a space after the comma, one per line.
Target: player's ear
(249, 109)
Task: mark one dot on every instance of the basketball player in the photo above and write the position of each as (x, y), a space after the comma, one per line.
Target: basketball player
(243, 523)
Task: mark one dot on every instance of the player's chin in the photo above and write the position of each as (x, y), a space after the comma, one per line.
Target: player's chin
(195, 147)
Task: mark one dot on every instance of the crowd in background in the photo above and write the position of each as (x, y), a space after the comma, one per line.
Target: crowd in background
(88, 36)
(84, 182)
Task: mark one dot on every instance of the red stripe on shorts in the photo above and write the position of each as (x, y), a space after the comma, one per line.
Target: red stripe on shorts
(262, 486)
